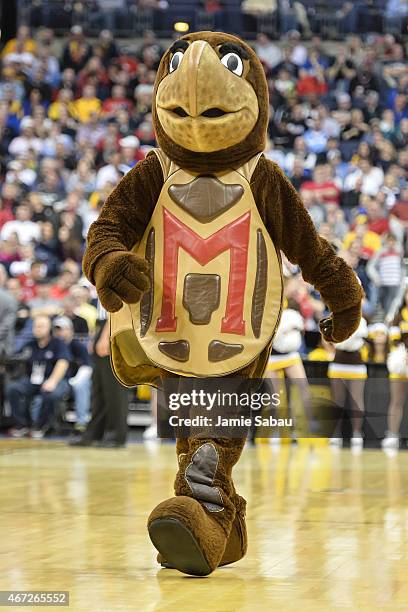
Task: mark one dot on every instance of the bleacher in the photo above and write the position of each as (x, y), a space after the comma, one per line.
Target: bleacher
(134, 20)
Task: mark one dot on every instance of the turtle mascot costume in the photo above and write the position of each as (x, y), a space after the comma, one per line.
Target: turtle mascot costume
(186, 254)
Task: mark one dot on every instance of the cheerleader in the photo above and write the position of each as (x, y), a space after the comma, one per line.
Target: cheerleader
(378, 343)
(397, 364)
(348, 372)
(285, 358)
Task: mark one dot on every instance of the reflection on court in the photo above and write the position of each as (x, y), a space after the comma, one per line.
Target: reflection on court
(328, 530)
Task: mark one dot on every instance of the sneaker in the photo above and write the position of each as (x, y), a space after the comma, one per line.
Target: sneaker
(79, 428)
(356, 443)
(19, 432)
(150, 433)
(336, 442)
(391, 441)
(37, 434)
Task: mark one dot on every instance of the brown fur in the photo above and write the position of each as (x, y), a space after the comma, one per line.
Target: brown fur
(293, 232)
(229, 451)
(124, 215)
(237, 542)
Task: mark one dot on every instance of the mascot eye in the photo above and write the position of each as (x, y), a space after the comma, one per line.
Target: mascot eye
(233, 62)
(176, 61)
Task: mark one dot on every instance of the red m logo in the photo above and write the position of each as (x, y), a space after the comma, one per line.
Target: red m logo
(233, 237)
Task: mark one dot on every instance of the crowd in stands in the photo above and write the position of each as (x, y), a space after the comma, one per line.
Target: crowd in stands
(244, 17)
(76, 116)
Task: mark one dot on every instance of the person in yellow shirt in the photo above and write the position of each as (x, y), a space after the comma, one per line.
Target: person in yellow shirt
(21, 44)
(64, 99)
(371, 242)
(87, 105)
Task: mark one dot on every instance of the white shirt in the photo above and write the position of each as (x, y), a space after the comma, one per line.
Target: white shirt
(371, 182)
(299, 55)
(269, 54)
(25, 230)
(21, 145)
(107, 174)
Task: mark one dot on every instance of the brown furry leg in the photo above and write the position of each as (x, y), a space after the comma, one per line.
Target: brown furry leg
(237, 542)
(191, 530)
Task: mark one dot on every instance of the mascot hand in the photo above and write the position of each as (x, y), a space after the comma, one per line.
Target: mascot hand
(340, 325)
(121, 276)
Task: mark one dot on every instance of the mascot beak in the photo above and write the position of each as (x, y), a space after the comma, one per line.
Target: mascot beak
(199, 58)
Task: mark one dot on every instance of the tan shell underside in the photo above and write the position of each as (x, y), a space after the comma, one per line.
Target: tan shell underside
(198, 347)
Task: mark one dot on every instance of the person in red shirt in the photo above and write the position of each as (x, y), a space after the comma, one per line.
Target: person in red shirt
(376, 220)
(93, 73)
(322, 186)
(116, 102)
(29, 281)
(61, 288)
(311, 84)
(6, 213)
(400, 208)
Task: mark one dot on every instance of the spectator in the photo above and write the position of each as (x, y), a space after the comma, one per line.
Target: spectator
(269, 53)
(322, 187)
(79, 324)
(27, 139)
(109, 13)
(8, 313)
(386, 271)
(371, 178)
(24, 228)
(23, 43)
(64, 282)
(79, 372)
(88, 106)
(118, 100)
(46, 360)
(76, 52)
(83, 307)
(315, 138)
(43, 303)
(370, 241)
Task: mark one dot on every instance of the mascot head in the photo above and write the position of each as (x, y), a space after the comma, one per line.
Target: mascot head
(210, 107)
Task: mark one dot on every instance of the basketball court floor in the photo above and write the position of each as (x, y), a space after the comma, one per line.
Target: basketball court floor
(328, 529)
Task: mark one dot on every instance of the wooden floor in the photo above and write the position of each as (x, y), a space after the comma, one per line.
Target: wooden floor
(328, 530)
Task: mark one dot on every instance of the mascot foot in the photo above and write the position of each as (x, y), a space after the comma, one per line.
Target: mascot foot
(186, 536)
(237, 542)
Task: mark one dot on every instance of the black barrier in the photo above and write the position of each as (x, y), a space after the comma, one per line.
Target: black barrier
(325, 419)
(198, 406)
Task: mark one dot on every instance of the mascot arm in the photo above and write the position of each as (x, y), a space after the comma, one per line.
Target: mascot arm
(119, 275)
(292, 230)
